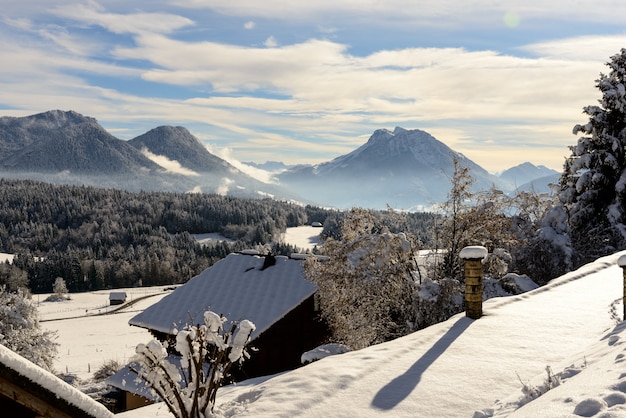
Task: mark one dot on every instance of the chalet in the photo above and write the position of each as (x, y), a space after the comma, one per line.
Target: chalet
(27, 390)
(117, 298)
(272, 292)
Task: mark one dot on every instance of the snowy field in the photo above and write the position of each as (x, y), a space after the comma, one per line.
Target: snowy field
(305, 237)
(4, 257)
(468, 368)
(88, 340)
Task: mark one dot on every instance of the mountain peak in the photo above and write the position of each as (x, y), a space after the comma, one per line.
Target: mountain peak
(177, 143)
(60, 118)
(398, 130)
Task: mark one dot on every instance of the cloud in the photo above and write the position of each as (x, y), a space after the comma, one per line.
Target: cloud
(171, 166)
(94, 14)
(271, 42)
(306, 100)
(226, 154)
(588, 48)
(224, 186)
(452, 13)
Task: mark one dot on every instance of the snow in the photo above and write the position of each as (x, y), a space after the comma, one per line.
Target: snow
(52, 383)
(305, 237)
(211, 238)
(464, 367)
(89, 341)
(4, 257)
(473, 252)
(323, 351)
(236, 287)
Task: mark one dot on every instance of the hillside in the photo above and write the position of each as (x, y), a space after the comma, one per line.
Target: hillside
(464, 368)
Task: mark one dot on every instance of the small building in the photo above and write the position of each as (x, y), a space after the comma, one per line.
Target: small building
(27, 390)
(117, 298)
(272, 292)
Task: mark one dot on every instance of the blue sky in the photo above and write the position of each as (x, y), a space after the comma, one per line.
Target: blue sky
(502, 83)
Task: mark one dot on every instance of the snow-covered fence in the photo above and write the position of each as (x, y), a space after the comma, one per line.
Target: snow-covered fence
(622, 263)
(472, 257)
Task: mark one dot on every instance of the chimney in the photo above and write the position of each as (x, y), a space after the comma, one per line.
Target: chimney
(472, 257)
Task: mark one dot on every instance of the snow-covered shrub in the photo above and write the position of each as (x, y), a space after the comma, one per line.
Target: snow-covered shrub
(20, 330)
(532, 392)
(106, 370)
(437, 301)
(323, 351)
(496, 264)
(189, 386)
(547, 254)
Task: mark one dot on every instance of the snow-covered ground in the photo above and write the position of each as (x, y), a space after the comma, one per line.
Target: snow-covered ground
(468, 368)
(4, 257)
(88, 340)
(210, 238)
(304, 237)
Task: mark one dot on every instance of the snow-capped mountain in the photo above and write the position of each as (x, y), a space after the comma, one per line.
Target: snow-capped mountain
(406, 169)
(67, 147)
(178, 144)
(57, 141)
(526, 173)
(270, 166)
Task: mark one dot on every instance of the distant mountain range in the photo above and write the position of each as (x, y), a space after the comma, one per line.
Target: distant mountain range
(406, 169)
(67, 147)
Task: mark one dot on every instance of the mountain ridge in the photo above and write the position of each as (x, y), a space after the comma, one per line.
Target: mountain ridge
(67, 147)
(407, 169)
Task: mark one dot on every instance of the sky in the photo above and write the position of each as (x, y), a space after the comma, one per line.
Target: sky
(304, 82)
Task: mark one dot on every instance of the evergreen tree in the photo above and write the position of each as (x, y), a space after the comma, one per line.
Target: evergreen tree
(593, 184)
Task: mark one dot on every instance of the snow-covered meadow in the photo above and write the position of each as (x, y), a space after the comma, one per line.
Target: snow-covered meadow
(88, 335)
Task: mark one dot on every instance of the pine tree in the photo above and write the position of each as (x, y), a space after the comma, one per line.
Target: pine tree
(593, 184)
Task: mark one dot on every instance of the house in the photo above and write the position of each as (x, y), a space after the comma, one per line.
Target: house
(27, 390)
(117, 298)
(272, 292)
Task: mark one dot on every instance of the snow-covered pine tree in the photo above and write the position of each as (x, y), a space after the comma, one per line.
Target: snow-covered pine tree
(188, 386)
(593, 184)
(20, 330)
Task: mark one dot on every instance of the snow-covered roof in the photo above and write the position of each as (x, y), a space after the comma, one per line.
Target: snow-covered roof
(47, 387)
(236, 287)
(117, 296)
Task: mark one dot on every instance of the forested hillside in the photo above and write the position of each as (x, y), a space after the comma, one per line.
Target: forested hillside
(99, 238)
